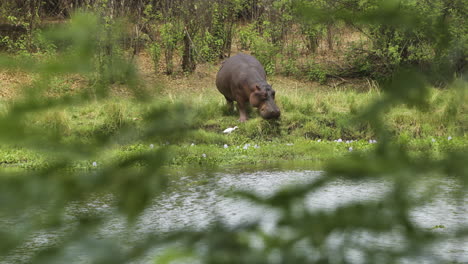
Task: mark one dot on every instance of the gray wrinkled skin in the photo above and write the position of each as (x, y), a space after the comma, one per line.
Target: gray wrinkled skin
(243, 79)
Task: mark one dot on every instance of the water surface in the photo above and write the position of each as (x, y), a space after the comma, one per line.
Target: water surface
(195, 202)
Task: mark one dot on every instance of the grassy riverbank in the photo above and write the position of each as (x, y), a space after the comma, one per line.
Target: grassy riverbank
(313, 117)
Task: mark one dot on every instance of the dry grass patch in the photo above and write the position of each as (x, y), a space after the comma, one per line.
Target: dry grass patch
(11, 83)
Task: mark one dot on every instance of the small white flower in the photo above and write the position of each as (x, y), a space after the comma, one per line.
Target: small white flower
(449, 138)
(433, 140)
(289, 144)
(167, 142)
(256, 146)
(151, 146)
(339, 140)
(319, 140)
(246, 146)
(94, 164)
(347, 142)
(370, 141)
(375, 141)
(226, 146)
(203, 155)
(350, 149)
(193, 144)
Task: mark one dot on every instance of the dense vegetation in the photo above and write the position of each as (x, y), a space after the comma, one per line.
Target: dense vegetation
(336, 41)
(88, 121)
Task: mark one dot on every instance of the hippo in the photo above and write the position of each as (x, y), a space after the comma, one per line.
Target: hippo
(243, 79)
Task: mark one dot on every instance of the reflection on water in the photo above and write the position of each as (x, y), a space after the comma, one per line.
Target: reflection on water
(196, 201)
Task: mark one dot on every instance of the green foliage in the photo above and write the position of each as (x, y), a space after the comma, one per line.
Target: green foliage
(219, 34)
(277, 22)
(315, 72)
(360, 63)
(171, 35)
(27, 45)
(155, 53)
(266, 53)
(204, 44)
(313, 33)
(387, 44)
(289, 67)
(289, 62)
(396, 44)
(247, 36)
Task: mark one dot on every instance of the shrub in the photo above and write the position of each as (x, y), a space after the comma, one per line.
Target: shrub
(155, 53)
(312, 33)
(266, 53)
(247, 35)
(171, 34)
(315, 72)
(205, 43)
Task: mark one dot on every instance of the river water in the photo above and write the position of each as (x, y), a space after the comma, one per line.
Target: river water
(196, 201)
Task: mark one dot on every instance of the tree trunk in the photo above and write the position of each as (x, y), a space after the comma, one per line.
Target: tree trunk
(330, 36)
(169, 64)
(188, 58)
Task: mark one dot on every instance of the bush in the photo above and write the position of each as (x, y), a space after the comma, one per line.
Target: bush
(289, 67)
(171, 35)
(315, 72)
(247, 35)
(155, 53)
(205, 43)
(312, 33)
(266, 53)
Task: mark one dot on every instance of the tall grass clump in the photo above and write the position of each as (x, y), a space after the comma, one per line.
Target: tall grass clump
(114, 118)
(205, 110)
(57, 121)
(262, 129)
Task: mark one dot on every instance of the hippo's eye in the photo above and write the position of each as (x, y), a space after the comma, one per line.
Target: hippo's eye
(273, 94)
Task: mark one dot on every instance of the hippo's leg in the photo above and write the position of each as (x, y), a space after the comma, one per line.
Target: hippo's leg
(241, 106)
(230, 104)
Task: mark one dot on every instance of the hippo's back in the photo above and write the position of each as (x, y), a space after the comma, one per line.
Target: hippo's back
(238, 70)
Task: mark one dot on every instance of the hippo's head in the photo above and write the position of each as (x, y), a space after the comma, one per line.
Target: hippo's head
(264, 99)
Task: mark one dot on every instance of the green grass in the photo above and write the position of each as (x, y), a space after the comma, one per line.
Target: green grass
(309, 114)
